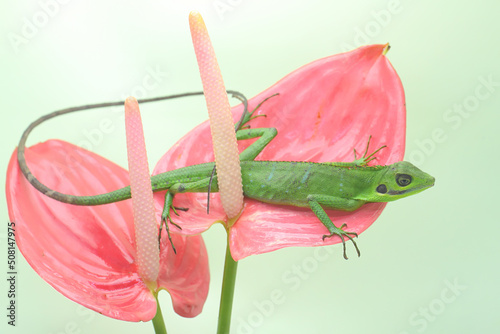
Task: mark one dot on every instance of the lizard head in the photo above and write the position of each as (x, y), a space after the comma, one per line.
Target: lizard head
(399, 180)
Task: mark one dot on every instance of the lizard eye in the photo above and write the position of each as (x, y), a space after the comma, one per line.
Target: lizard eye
(403, 179)
(381, 188)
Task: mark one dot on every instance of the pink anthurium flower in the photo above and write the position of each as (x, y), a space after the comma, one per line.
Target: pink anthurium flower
(88, 253)
(323, 111)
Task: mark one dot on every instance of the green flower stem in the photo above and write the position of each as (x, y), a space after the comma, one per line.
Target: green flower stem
(158, 322)
(226, 298)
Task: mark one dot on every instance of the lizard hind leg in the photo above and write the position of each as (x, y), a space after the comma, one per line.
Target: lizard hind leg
(247, 116)
(364, 160)
(165, 218)
(196, 186)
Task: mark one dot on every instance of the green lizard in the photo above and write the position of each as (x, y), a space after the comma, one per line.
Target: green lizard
(335, 185)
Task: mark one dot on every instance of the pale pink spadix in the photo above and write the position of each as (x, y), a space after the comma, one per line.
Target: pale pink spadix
(221, 122)
(146, 228)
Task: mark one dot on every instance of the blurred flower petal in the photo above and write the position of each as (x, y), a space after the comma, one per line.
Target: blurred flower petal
(88, 253)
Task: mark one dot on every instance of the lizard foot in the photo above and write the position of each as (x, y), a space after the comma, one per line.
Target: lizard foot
(248, 116)
(341, 233)
(165, 218)
(364, 160)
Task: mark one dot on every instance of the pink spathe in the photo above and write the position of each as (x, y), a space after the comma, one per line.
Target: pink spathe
(88, 253)
(324, 110)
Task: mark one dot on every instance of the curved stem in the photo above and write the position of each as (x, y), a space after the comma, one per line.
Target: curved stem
(226, 298)
(158, 323)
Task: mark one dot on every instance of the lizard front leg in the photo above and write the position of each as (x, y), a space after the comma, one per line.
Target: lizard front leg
(316, 202)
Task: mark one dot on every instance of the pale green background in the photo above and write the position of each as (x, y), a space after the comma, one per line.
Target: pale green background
(100, 51)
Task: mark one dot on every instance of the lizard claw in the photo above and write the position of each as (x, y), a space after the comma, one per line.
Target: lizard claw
(180, 209)
(165, 218)
(364, 160)
(247, 116)
(341, 233)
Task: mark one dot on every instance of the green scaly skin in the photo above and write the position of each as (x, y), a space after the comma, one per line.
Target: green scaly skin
(333, 185)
